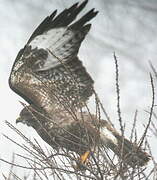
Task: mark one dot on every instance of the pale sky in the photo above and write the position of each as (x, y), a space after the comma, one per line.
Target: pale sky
(128, 28)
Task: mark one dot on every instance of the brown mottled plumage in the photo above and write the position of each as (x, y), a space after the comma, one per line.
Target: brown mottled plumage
(48, 74)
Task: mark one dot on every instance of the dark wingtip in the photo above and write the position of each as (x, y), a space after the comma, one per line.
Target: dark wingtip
(92, 11)
(73, 6)
(82, 5)
(53, 14)
(96, 12)
(85, 2)
(87, 17)
(87, 27)
(65, 18)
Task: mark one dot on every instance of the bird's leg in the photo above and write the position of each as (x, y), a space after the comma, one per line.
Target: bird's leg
(84, 157)
(82, 161)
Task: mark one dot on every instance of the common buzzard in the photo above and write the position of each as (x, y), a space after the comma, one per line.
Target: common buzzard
(48, 74)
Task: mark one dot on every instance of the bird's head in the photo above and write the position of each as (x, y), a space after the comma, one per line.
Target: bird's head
(28, 116)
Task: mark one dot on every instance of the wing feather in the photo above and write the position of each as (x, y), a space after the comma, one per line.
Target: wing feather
(43, 26)
(63, 47)
(62, 20)
(61, 40)
(48, 68)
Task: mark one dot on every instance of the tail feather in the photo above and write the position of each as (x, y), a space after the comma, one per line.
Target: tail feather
(130, 152)
(123, 148)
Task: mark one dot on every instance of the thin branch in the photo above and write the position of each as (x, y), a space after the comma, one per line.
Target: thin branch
(151, 111)
(118, 95)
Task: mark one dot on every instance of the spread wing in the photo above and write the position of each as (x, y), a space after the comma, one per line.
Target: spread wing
(47, 70)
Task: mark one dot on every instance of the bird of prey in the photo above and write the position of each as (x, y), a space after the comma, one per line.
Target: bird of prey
(48, 74)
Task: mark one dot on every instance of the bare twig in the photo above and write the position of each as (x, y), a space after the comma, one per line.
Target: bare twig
(118, 95)
(151, 111)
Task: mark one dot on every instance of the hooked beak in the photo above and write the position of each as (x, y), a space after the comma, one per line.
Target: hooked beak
(18, 120)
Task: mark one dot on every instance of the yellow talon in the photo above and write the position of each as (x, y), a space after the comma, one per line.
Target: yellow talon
(82, 161)
(84, 157)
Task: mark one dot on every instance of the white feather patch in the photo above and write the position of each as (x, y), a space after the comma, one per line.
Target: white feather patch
(107, 136)
(55, 41)
(48, 39)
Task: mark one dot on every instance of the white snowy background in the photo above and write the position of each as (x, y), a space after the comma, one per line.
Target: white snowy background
(128, 28)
